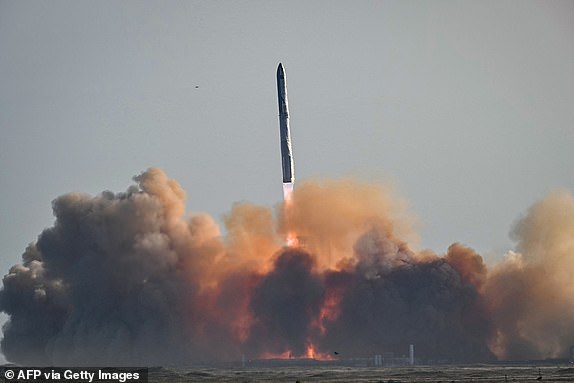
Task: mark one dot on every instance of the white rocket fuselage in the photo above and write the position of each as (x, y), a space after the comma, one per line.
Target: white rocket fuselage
(284, 128)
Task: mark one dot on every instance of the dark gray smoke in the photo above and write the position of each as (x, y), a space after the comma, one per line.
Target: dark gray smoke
(127, 279)
(285, 304)
(390, 301)
(104, 285)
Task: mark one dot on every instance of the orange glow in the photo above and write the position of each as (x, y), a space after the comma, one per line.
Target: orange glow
(329, 312)
(288, 200)
(292, 239)
(310, 351)
(312, 354)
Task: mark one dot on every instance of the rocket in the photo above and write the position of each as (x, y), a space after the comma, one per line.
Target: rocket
(286, 150)
(284, 129)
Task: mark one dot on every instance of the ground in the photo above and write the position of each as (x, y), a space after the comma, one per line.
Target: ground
(304, 374)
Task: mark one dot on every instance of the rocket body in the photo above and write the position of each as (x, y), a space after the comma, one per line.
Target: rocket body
(284, 128)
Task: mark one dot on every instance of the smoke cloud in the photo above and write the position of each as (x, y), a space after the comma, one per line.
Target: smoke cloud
(530, 294)
(128, 279)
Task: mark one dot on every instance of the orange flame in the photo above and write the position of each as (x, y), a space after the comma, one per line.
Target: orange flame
(310, 351)
(292, 239)
(313, 354)
(288, 199)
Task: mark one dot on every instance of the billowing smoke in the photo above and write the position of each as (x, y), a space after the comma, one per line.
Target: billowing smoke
(106, 282)
(391, 299)
(285, 304)
(531, 293)
(127, 279)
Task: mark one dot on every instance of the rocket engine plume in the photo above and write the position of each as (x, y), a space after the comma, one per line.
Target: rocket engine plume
(128, 279)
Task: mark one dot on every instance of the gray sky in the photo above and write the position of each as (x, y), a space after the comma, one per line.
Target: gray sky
(465, 107)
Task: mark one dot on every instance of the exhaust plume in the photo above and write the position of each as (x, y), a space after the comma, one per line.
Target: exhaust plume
(128, 279)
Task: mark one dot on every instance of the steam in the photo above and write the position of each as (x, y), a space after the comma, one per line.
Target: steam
(530, 293)
(128, 279)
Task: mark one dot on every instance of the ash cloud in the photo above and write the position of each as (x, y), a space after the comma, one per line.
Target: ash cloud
(128, 279)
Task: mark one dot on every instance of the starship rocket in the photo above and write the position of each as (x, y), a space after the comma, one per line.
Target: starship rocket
(284, 129)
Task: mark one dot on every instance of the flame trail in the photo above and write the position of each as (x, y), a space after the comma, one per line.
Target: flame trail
(291, 237)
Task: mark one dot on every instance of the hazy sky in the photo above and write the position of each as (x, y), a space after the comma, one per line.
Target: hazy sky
(467, 108)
